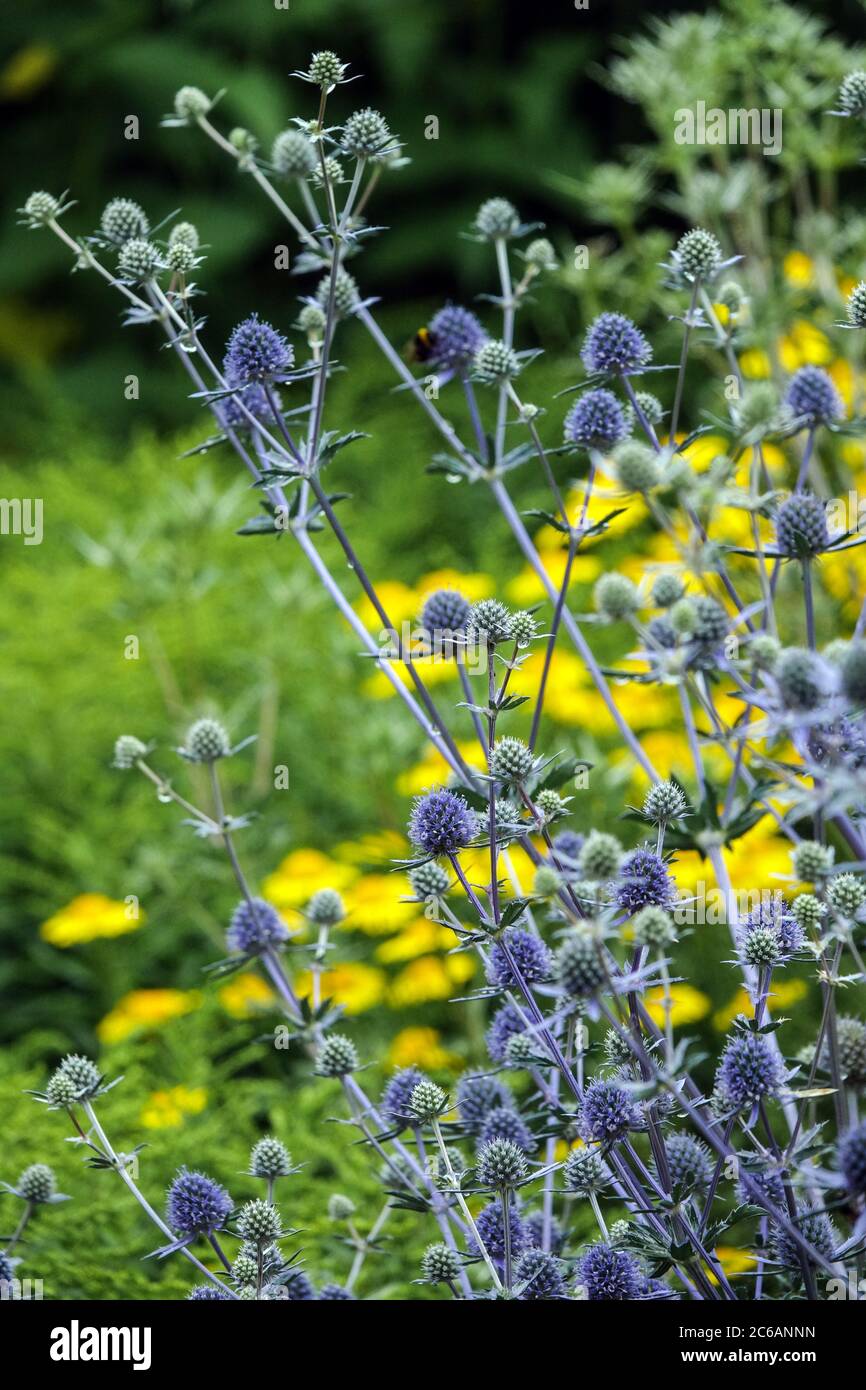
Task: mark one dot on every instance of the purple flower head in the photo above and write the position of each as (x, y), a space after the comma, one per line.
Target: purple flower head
(442, 822)
(801, 526)
(505, 1023)
(567, 846)
(397, 1094)
(254, 926)
(690, 1162)
(815, 1227)
(614, 344)
(445, 612)
(596, 421)
(841, 744)
(503, 1122)
(607, 1112)
(455, 337)
(541, 1276)
(812, 395)
(771, 928)
(477, 1096)
(528, 952)
(256, 352)
(643, 881)
(609, 1274)
(748, 1071)
(534, 1223)
(491, 1229)
(852, 1159)
(769, 1183)
(298, 1287)
(335, 1292)
(254, 398)
(196, 1204)
(202, 1292)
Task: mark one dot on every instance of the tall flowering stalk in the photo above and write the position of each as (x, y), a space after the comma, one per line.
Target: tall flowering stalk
(774, 1152)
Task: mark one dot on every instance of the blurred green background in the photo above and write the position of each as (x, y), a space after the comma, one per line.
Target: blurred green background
(567, 113)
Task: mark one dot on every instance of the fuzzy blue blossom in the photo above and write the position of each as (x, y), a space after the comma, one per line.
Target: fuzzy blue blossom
(643, 881)
(749, 1071)
(455, 337)
(503, 1122)
(196, 1204)
(852, 1159)
(529, 954)
(505, 1024)
(442, 822)
(811, 395)
(396, 1110)
(256, 352)
(540, 1276)
(596, 421)
(607, 1112)
(477, 1096)
(491, 1229)
(567, 846)
(770, 929)
(609, 1274)
(614, 343)
(203, 1293)
(255, 926)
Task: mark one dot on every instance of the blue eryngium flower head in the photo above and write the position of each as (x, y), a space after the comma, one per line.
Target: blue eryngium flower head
(442, 822)
(235, 411)
(256, 352)
(395, 1107)
(491, 1229)
(812, 396)
(643, 881)
(770, 934)
(815, 1227)
(596, 421)
(335, 1292)
(529, 953)
(444, 611)
(477, 1096)
(614, 343)
(539, 1275)
(690, 1162)
(801, 526)
(202, 1292)
(852, 1159)
(455, 337)
(196, 1204)
(255, 925)
(505, 1023)
(749, 1071)
(609, 1274)
(503, 1122)
(607, 1112)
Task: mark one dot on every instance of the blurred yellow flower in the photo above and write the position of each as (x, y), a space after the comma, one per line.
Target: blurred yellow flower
(689, 1004)
(421, 1047)
(434, 670)
(527, 588)
(433, 771)
(472, 586)
(373, 904)
(733, 1260)
(379, 847)
(418, 939)
(145, 1008)
(804, 344)
(89, 917)
(429, 978)
(785, 993)
(755, 364)
(399, 601)
(246, 995)
(27, 70)
(799, 269)
(357, 987)
(703, 450)
(166, 1109)
(301, 874)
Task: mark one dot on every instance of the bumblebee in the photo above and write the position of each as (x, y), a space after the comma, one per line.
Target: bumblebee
(421, 347)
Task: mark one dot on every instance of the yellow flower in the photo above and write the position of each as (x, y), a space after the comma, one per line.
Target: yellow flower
(733, 1260)
(379, 847)
(246, 995)
(145, 1008)
(301, 874)
(702, 451)
(399, 601)
(804, 344)
(166, 1109)
(89, 917)
(428, 978)
(784, 993)
(418, 939)
(799, 269)
(373, 905)
(434, 670)
(689, 1004)
(755, 365)
(527, 588)
(433, 771)
(421, 1047)
(472, 586)
(357, 987)
(27, 71)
